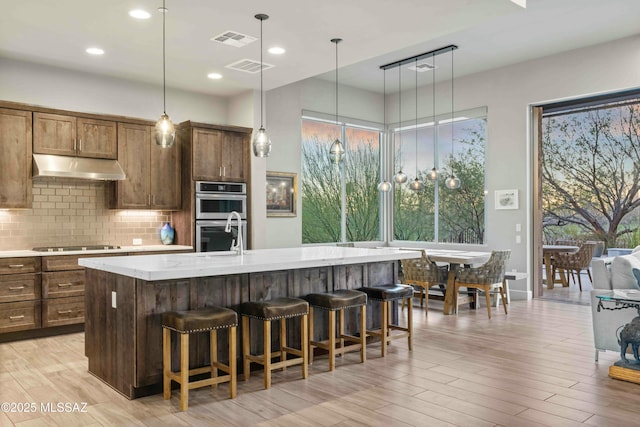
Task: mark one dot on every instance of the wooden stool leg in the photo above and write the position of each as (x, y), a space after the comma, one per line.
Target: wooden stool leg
(341, 329)
(310, 321)
(166, 362)
(384, 327)
(332, 340)
(267, 352)
(246, 348)
(233, 386)
(487, 295)
(456, 288)
(283, 341)
(363, 333)
(184, 371)
(410, 324)
(304, 345)
(213, 354)
(504, 300)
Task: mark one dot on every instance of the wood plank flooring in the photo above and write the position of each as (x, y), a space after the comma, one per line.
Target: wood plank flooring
(532, 367)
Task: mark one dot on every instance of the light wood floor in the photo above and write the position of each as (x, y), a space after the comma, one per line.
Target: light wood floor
(532, 367)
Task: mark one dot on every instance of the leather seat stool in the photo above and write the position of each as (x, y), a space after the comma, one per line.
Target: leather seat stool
(267, 311)
(332, 302)
(185, 323)
(386, 294)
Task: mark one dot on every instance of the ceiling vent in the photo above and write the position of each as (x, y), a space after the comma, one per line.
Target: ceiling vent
(422, 67)
(248, 66)
(233, 38)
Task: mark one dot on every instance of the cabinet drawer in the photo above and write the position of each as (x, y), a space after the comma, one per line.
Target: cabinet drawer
(19, 265)
(19, 316)
(60, 284)
(67, 262)
(19, 287)
(62, 311)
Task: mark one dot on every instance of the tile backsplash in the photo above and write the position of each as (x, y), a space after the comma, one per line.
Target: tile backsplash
(73, 212)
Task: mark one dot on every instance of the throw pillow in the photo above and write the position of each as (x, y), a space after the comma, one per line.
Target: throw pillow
(636, 274)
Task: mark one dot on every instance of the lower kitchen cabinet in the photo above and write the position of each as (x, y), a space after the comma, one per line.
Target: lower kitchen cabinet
(20, 316)
(62, 311)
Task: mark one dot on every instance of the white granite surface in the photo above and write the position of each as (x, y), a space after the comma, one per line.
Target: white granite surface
(122, 250)
(202, 264)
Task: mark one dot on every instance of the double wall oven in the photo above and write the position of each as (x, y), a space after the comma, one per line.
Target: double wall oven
(214, 202)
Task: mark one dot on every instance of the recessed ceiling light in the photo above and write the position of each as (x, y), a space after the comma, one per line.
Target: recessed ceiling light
(214, 76)
(139, 14)
(276, 50)
(95, 51)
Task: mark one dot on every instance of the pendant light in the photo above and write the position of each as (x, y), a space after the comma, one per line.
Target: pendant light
(400, 177)
(453, 182)
(261, 142)
(384, 186)
(433, 173)
(165, 131)
(416, 185)
(336, 152)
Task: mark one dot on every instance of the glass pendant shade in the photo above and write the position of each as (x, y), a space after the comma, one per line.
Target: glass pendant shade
(336, 152)
(165, 132)
(384, 186)
(433, 174)
(452, 183)
(400, 177)
(416, 185)
(261, 143)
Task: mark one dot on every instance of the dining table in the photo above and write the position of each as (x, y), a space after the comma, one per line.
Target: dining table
(547, 252)
(455, 258)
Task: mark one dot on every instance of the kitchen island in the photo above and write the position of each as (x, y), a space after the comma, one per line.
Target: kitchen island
(124, 304)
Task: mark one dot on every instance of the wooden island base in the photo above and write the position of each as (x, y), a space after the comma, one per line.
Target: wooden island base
(123, 333)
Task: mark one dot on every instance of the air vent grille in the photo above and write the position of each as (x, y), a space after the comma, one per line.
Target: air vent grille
(248, 66)
(233, 38)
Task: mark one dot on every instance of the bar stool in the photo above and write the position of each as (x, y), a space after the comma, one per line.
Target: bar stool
(332, 302)
(386, 294)
(185, 323)
(267, 311)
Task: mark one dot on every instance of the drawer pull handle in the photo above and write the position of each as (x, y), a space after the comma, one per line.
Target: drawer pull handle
(65, 311)
(16, 288)
(16, 317)
(64, 285)
(16, 265)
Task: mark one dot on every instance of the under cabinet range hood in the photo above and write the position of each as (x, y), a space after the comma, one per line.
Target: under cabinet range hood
(76, 167)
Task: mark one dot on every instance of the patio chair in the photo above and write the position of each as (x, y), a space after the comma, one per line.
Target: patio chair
(567, 263)
(486, 277)
(424, 274)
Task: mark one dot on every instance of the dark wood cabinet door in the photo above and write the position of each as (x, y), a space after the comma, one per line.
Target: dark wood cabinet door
(54, 134)
(165, 177)
(206, 151)
(15, 161)
(232, 155)
(97, 139)
(134, 142)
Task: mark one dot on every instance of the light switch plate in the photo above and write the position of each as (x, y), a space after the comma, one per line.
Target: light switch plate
(137, 242)
(518, 238)
(113, 299)
(518, 228)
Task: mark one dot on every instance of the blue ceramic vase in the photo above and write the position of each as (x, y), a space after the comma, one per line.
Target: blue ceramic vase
(167, 234)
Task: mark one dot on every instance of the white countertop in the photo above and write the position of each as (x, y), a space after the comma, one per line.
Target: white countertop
(122, 250)
(203, 264)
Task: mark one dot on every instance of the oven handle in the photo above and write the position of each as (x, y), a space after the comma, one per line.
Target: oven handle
(209, 196)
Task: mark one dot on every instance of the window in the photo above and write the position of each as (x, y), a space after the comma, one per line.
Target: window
(437, 214)
(333, 209)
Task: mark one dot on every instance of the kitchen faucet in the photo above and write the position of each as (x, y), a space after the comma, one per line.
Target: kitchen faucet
(236, 244)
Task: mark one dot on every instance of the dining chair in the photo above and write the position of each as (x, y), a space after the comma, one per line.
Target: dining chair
(486, 277)
(566, 263)
(424, 274)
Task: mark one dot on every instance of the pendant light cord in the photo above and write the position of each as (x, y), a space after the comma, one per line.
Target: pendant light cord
(452, 138)
(400, 111)
(164, 73)
(337, 41)
(416, 118)
(433, 89)
(261, 68)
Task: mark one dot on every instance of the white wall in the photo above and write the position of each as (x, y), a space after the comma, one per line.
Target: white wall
(508, 92)
(53, 87)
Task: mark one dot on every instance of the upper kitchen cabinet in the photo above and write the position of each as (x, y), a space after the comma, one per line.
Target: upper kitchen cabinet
(153, 172)
(220, 154)
(15, 161)
(74, 136)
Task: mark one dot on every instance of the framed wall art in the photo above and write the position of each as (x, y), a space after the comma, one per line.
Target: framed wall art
(281, 194)
(506, 199)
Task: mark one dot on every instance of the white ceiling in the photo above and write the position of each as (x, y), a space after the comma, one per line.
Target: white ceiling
(489, 33)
